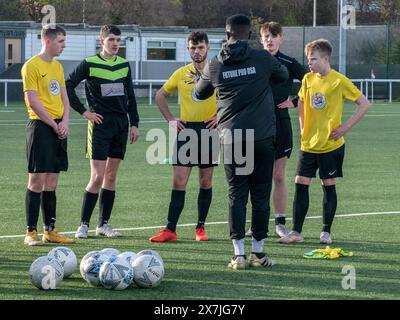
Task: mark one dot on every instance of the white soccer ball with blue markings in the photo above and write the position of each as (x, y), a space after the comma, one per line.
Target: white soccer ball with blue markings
(91, 268)
(110, 252)
(148, 271)
(128, 256)
(85, 257)
(66, 257)
(116, 273)
(152, 253)
(46, 273)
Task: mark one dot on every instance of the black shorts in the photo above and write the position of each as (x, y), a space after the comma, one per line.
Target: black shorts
(284, 138)
(45, 152)
(109, 139)
(329, 164)
(196, 146)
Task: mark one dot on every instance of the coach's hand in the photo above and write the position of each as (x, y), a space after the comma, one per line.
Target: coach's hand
(134, 134)
(178, 124)
(63, 130)
(211, 123)
(93, 117)
(287, 104)
(193, 76)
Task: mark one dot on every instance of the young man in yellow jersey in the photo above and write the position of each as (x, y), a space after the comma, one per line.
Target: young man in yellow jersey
(199, 117)
(321, 99)
(47, 130)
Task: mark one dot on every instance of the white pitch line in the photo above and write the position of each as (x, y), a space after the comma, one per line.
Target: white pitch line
(383, 115)
(73, 120)
(222, 222)
(146, 120)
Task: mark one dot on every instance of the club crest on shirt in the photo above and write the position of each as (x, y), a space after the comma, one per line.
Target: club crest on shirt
(54, 87)
(318, 101)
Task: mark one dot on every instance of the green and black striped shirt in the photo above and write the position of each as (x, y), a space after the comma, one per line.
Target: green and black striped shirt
(108, 87)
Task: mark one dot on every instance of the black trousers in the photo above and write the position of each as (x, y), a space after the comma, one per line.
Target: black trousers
(257, 183)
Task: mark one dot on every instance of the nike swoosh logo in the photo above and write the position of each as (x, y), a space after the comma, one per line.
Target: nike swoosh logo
(43, 75)
(287, 150)
(332, 173)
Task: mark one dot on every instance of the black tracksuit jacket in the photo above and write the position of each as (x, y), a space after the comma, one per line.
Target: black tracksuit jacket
(281, 91)
(241, 75)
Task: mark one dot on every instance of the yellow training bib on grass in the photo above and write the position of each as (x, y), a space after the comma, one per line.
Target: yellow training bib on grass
(327, 253)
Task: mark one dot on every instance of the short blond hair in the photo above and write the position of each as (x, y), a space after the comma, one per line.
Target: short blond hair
(323, 46)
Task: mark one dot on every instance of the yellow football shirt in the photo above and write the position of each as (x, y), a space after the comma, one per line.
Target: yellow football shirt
(47, 79)
(323, 99)
(191, 109)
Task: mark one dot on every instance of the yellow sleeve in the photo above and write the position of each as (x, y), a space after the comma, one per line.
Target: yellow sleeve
(29, 75)
(302, 91)
(62, 76)
(350, 91)
(172, 83)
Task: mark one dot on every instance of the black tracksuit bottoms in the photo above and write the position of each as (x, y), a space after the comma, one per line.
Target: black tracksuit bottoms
(257, 183)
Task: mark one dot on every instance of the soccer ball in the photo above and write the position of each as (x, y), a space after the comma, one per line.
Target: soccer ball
(128, 256)
(152, 253)
(116, 273)
(91, 268)
(110, 252)
(66, 257)
(46, 273)
(148, 271)
(85, 257)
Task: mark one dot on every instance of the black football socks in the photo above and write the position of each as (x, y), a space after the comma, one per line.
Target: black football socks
(107, 198)
(203, 206)
(88, 205)
(329, 207)
(280, 220)
(32, 208)
(49, 203)
(300, 206)
(175, 208)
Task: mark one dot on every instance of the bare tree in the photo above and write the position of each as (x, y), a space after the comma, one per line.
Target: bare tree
(155, 13)
(367, 11)
(10, 11)
(68, 11)
(199, 14)
(390, 11)
(142, 12)
(33, 8)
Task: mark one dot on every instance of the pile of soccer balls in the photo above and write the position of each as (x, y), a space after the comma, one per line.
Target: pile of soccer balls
(47, 272)
(114, 270)
(108, 268)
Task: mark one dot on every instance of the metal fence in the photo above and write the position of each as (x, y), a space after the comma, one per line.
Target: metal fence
(369, 48)
(373, 89)
(11, 89)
